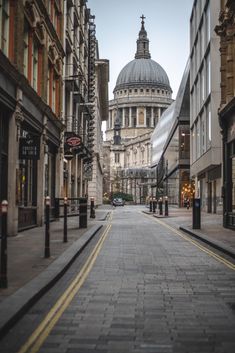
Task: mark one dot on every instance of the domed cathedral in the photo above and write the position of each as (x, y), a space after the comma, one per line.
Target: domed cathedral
(142, 93)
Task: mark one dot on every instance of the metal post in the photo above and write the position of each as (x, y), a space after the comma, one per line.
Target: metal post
(160, 206)
(166, 206)
(92, 208)
(154, 205)
(150, 205)
(3, 270)
(82, 212)
(47, 226)
(65, 219)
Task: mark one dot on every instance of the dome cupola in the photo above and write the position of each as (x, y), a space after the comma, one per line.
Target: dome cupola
(142, 71)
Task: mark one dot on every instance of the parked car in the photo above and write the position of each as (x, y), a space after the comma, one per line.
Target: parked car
(118, 202)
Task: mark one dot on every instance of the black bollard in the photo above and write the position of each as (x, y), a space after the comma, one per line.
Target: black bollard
(154, 206)
(65, 219)
(47, 226)
(151, 206)
(166, 206)
(3, 270)
(160, 207)
(92, 208)
(82, 212)
(196, 213)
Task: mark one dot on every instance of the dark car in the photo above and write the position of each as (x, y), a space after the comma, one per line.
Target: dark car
(118, 202)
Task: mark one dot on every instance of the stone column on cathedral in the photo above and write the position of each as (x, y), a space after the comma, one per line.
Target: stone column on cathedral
(152, 117)
(123, 117)
(159, 112)
(130, 122)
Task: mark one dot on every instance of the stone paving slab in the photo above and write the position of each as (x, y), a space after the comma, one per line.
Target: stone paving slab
(14, 306)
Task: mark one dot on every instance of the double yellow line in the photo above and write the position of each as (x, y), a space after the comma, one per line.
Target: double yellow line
(195, 243)
(36, 340)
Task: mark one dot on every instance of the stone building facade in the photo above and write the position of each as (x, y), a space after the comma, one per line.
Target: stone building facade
(50, 91)
(226, 30)
(141, 94)
(31, 58)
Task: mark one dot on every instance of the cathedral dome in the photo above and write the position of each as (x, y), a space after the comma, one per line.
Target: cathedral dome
(142, 72)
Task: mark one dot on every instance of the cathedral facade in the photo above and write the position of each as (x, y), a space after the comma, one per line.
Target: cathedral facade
(142, 93)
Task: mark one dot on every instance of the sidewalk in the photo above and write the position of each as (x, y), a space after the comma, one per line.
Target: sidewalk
(212, 232)
(30, 274)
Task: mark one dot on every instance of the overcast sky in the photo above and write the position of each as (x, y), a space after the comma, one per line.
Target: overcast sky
(167, 24)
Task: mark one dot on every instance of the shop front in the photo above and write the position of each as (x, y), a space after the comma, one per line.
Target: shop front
(26, 193)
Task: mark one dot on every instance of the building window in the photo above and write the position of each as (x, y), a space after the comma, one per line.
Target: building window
(203, 134)
(4, 25)
(208, 123)
(126, 112)
(35, 66)
(148, 116)
(208, 75)
(26, 48)
(117, 157)
(133, 116)
(208, 24)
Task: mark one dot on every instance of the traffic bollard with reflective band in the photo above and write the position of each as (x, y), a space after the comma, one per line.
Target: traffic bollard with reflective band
(47, 226)
(65, 219)
(82, 212)
(92, 208)
(196, 213)
(3, 270)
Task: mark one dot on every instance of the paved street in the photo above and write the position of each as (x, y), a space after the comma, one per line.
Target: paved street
(149, 290)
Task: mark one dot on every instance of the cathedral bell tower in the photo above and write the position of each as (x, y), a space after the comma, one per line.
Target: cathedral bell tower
(142, 43)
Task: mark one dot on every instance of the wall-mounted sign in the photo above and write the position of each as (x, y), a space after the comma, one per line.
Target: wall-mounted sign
(72, 140)
(29, 147)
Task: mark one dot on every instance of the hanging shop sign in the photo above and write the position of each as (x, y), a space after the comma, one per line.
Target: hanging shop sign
(29, 147)
(72, 140)
(68, 155)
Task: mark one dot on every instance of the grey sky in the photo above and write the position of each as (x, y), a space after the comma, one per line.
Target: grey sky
(167, 24)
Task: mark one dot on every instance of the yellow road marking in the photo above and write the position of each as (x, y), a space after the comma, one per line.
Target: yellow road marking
(37, 338)
(199, 246)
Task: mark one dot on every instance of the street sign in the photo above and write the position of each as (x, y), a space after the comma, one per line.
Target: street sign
(29, 147)
(72, 140)
(68, 155)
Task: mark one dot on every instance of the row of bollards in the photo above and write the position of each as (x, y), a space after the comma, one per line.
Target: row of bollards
(82, 220)
(153, 206)
(3, 229)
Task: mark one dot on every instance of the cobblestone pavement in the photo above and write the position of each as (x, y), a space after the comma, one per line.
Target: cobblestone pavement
(148, 291)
